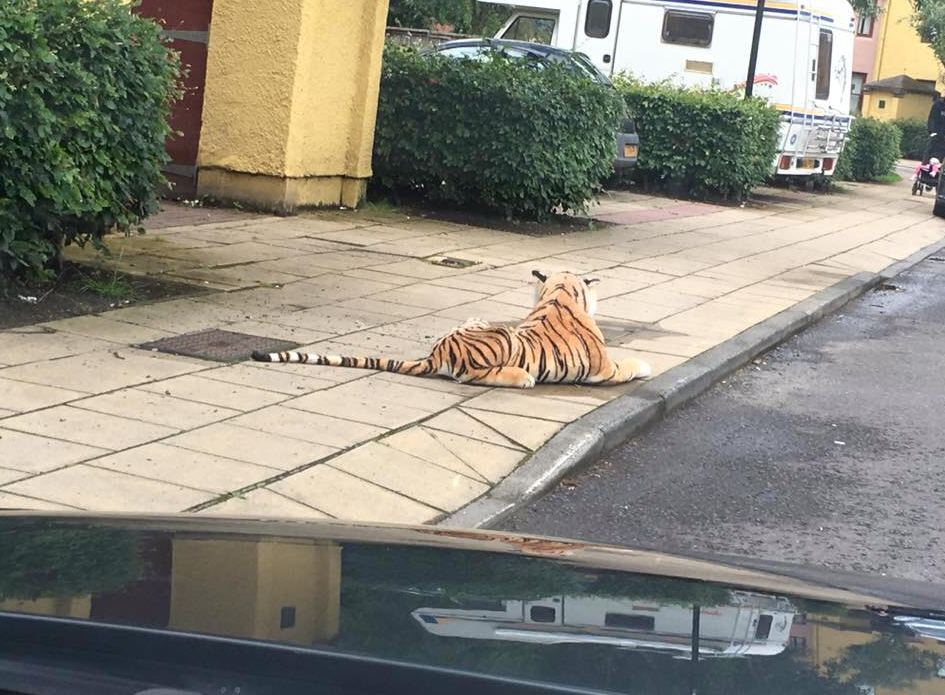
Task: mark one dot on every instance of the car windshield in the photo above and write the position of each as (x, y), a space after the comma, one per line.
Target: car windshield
(474, 52)
(585, 64)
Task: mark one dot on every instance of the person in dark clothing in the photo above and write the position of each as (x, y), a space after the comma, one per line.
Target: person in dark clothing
(936, 130)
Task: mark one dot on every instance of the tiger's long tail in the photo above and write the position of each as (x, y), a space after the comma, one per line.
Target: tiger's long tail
(382, 364)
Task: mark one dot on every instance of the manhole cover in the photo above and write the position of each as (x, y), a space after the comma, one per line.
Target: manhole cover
(217, 345)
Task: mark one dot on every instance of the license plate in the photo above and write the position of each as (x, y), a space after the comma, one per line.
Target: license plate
(630, 150)
(808, 163)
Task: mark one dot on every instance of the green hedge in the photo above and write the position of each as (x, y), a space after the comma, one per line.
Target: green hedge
(84, 92)
(702, 143)
(54, 560)
(495, 134)
(871, 150)
(915, 137)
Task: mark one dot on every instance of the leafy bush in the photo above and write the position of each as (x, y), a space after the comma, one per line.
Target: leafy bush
(701, 142)
(495, 133)
(465, 16)
(915, 137)
(85, 87)
(871, 150)
(52, 561)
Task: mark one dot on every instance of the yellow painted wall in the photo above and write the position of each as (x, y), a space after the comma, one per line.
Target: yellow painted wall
(291, 96)
(335, 97)
(906, 106)
(62, 607)
(251, 72)
(239, 588)
(829, 639)
(899, 51)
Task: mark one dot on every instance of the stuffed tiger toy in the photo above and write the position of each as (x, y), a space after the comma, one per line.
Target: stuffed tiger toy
(558, 342)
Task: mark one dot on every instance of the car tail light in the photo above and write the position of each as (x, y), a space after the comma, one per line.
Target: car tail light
(785, 162)
(828, 164)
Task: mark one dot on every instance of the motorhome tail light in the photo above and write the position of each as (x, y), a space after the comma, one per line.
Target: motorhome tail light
(785, 162)
(828, 164)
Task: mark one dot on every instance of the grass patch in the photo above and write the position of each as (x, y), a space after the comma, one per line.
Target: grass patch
(888, 178)
(114, 286)
(381, 205)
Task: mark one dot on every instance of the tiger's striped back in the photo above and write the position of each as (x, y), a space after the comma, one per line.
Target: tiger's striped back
(558, 341)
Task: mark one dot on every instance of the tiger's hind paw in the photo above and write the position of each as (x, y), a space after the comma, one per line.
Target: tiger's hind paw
(631, 369)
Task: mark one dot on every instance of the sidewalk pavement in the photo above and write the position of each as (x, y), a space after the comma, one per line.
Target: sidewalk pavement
(89, 422)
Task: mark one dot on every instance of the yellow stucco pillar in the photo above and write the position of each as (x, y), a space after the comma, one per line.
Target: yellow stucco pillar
(291, 101)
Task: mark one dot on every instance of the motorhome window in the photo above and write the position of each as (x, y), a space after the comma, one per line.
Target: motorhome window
(824, 59)
(630, 622)
(474, 604)
(543, 614)
(597, 24)
(533, 29)
(764, 627)
(688, 28)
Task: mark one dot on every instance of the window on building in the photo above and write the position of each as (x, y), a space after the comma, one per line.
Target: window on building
(864, 26)
(856, 92)
(688, 28)
(287, 617)
(881, 104)
(534, 29)
(597, 23)
(824, 60)
(798, 644)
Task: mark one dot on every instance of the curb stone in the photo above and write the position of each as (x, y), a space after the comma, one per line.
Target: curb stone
(585, 440)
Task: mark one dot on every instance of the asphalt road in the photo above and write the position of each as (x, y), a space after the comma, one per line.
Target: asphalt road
(829, 450)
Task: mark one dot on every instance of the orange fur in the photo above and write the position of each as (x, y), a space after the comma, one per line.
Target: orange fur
(558, 342)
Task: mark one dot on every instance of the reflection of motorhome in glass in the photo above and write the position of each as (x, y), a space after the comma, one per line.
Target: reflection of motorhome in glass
(805, 57)
(751, 624)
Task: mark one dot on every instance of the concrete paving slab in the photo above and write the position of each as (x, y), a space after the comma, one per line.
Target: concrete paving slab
(252, 446)
(684, 286)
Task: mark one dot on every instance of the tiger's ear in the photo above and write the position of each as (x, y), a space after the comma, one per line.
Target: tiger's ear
(591, 282)
(540, 275)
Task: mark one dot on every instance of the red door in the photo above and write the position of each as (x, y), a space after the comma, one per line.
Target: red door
(186, 24)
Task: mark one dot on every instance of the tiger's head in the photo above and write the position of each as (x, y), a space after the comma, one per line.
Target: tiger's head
(583, 291)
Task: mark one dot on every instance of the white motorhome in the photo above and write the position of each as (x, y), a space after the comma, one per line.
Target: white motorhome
(804, 67)
(750, 624)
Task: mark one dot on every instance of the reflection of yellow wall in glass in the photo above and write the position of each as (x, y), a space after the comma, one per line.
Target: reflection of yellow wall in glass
(275, 591)
(828, 638)
(78, 607)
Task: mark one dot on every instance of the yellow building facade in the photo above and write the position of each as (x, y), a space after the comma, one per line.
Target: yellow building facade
(290, 102)
(828, 638)
(906, 72)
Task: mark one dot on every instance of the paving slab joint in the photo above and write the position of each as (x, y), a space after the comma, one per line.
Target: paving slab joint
(585, 440)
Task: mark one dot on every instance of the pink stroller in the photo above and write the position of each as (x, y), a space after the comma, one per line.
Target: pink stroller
(926, 176)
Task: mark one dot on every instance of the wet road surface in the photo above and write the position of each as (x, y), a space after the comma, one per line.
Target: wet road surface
(829, 450)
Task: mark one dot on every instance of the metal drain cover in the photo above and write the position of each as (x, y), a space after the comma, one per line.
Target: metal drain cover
(217, 345)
